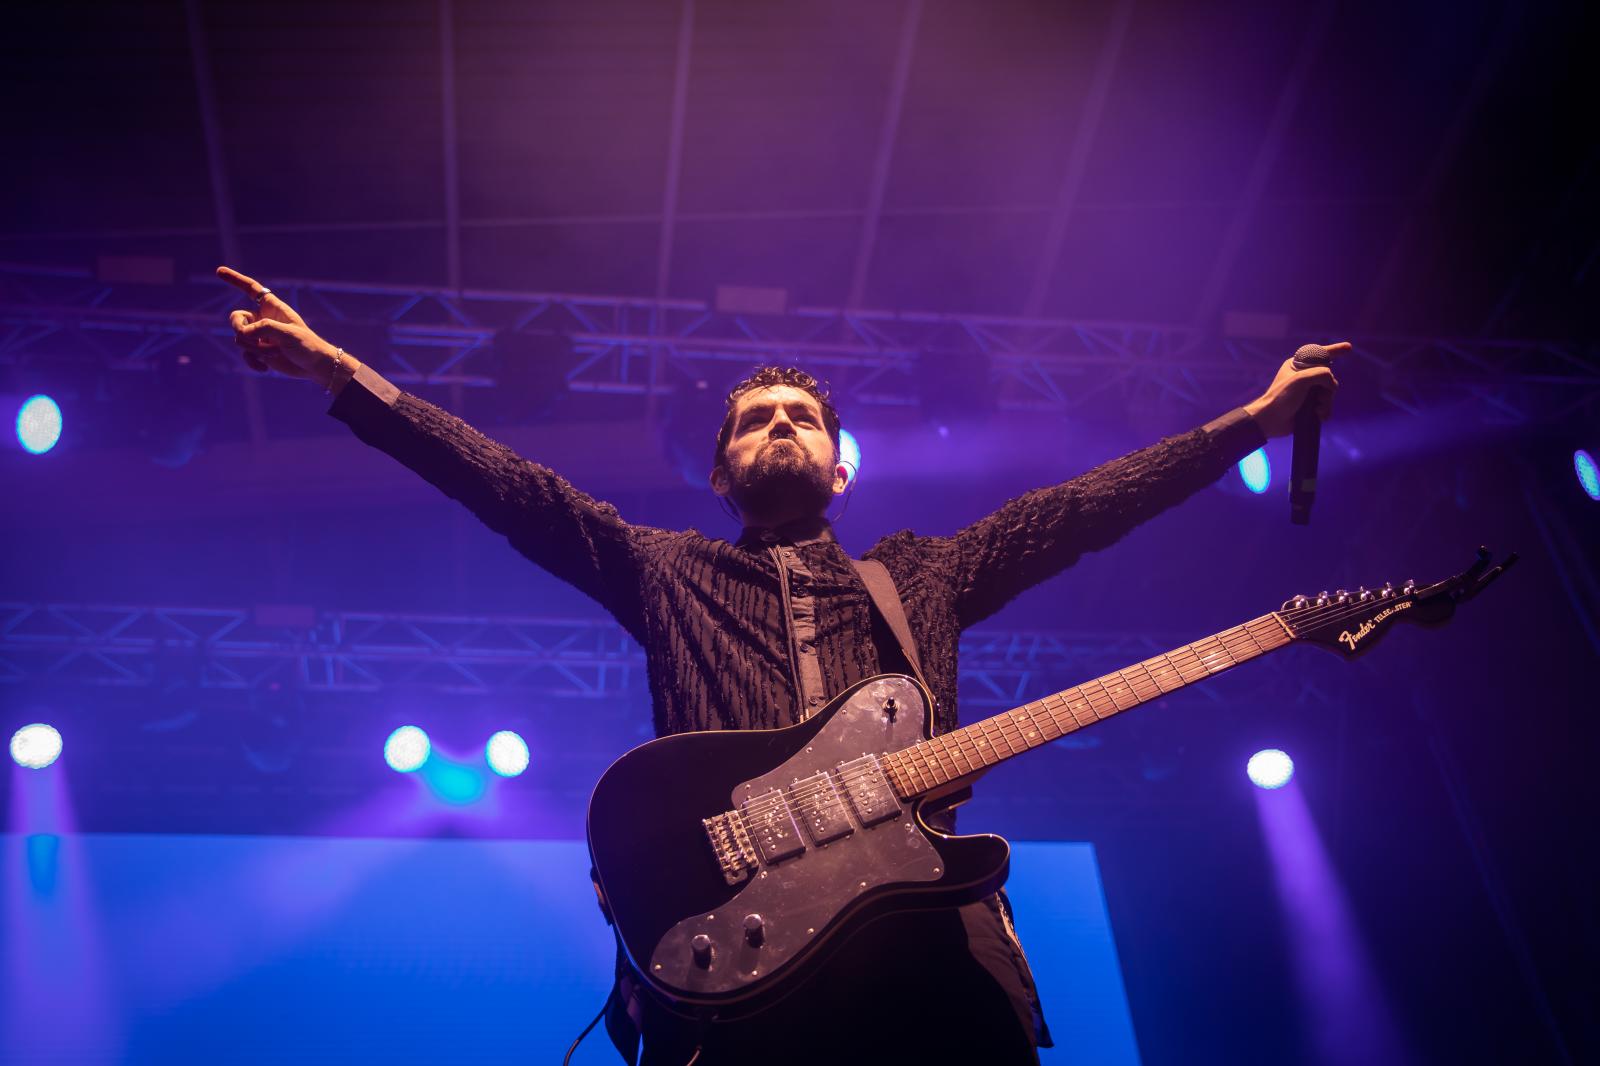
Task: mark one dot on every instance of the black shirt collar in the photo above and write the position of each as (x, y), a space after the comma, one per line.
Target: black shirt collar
(800, 532)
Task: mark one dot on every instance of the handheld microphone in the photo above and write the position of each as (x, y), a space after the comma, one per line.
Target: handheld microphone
(1307, 440)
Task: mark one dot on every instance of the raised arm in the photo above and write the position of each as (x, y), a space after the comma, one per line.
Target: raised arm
(1036, 536)
(578, 539)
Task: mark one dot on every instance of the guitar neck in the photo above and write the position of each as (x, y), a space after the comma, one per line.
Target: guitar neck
(966, 752)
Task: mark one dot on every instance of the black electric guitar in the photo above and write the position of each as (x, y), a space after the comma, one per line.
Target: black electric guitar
(729, 861)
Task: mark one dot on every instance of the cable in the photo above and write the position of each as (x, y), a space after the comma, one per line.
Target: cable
(565, 1059)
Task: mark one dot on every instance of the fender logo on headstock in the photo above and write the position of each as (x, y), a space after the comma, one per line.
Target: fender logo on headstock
(1350, 640)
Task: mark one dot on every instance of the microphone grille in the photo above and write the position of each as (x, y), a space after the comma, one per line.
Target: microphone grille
(1310, 355)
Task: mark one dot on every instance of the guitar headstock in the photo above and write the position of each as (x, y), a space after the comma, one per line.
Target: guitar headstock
(1351, 622)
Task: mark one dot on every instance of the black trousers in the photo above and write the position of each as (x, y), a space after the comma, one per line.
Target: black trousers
(930, 988)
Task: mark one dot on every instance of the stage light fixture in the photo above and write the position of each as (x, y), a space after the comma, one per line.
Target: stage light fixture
(38, 424)
(1588, 475)
(1256, 471)
(406, 749)
(507, 753)
(850, 452)
(1270, 769)
(35, 746)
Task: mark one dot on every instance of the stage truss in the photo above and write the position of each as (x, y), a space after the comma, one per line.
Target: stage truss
(298, 647)
(659, 348)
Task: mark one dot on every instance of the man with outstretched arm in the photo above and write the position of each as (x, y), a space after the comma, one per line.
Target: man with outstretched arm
(761, 631)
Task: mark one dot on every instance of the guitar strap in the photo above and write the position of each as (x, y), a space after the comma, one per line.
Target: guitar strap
(886, 598)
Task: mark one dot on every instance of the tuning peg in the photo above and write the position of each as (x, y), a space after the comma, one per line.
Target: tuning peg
(1387, 590)
(1364, 593)
(1410, 586)
(1322, 598)
(1342, 595)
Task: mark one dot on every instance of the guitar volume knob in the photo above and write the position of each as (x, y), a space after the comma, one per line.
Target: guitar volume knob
(755, 930)
(700, 947)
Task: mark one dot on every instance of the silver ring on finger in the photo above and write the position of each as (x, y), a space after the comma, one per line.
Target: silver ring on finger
(262, 295)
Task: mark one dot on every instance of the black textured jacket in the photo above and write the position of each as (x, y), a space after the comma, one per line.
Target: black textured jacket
(710, 613)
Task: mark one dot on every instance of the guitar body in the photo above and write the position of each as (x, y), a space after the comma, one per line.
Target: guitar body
(835, 852)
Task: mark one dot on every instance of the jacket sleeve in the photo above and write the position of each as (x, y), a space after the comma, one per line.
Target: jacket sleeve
(581, 540)
(1037, 535)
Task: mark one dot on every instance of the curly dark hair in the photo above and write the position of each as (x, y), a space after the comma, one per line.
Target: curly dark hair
(765, 377)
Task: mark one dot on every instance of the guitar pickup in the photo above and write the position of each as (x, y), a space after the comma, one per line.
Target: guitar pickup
(771, 826)
(821, 810)
(869, 790)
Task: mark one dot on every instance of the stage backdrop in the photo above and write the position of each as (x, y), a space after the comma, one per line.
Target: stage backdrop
(249, 949)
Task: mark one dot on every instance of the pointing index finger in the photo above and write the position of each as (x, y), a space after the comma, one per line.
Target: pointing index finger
(249, 286)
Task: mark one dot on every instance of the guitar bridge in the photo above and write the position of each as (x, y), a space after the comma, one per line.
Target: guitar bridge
(730, 843)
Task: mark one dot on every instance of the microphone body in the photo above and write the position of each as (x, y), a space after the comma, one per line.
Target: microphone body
(1307, 440)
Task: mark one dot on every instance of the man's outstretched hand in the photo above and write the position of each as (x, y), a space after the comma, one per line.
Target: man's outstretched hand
(1274, 410)
(273, 337)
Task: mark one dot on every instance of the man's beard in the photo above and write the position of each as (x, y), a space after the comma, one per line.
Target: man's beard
(781, 481)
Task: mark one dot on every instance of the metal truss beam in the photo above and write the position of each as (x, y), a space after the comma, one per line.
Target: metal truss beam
(352, 651)
(441, 337)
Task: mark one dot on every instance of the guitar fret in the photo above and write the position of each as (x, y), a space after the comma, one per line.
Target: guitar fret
(1014, 725)
(1189, 668)
(1002, 725)
(923, 784)
(1002, 721)
(980, 740)
(963, 743)
(1077, 705)
(1127, 691)
(1164, 666)
(952, 744)
(1034, 734)
(1051, 730)
(1064, 711)
(1140, 685)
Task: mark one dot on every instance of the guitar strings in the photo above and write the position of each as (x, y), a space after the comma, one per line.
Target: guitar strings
(808, 790)
(1335, 612)
(1297, 620)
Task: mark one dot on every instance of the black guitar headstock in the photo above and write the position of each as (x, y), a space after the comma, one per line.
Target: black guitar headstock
(1351, 622)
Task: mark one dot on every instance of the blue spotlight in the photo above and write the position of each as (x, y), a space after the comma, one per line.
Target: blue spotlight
(1588, 476)
(1270, 769)
(1256, 471)
(36, 746)
(406, 749)
(850, 452)
(507, 753)
(38, 424)
(454, 783)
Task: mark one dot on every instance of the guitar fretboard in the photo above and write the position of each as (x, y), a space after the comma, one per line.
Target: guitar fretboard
(960, 753)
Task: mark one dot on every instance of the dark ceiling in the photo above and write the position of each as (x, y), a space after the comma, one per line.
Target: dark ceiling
(1421, 168)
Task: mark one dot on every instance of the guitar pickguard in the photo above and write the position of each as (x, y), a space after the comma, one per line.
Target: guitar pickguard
(813, 861)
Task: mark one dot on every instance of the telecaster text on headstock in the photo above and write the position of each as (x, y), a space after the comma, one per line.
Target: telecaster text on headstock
(1350, 640)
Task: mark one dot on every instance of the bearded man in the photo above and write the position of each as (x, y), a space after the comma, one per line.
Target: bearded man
(759, 632)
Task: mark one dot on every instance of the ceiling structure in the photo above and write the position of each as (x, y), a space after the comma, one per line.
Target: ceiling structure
(1128, 184)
